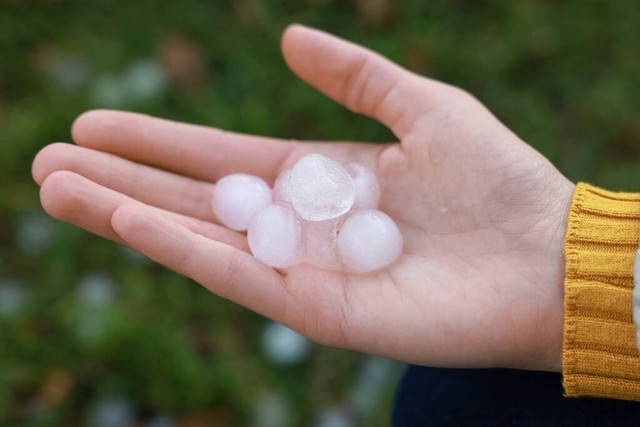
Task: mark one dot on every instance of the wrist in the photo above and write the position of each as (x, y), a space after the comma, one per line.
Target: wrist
(538, 340)
(552, 308)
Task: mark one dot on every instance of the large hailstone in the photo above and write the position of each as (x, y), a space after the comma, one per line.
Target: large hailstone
(274, 236)
(320, 188)
(369, 240)
(238, 198)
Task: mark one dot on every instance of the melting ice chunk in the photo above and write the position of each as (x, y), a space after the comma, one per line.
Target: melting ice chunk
(369, 240)
(319, 242)
(238, 198)
(367, 190)
(274, 236)
(320, 188)
(281, 188)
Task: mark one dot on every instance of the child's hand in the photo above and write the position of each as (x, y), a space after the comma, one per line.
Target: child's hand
(480, 283)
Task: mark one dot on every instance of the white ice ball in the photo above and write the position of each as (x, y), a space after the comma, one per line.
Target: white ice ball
(369, 240)
(238, 198)
(320, 188)
(274, 236)
(367, 190)
(281, 188)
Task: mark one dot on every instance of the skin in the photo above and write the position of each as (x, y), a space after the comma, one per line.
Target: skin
(483, 215)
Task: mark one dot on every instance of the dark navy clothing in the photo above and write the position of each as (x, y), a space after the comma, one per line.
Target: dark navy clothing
(500, 397)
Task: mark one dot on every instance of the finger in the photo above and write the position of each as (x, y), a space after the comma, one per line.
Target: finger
(224, 270)
(360, 79)
(155, 187)
(197, 151)
(74, 199)
(200, 152)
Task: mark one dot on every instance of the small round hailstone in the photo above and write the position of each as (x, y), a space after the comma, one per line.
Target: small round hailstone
(281, 191)
(274, 236)
(320, 188)
(367, 190)
(369, 240)
(238, 198)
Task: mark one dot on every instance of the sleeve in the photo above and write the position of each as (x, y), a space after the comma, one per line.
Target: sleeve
(599, 354)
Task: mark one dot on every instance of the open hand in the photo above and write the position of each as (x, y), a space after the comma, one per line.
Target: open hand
(483, 215)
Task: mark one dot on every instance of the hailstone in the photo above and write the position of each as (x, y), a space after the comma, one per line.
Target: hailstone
(238, 198)
(367, 190)
(320, 188)
(274, 236)
(369, 240)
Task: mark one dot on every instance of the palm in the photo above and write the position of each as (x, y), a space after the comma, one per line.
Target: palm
(471, 200)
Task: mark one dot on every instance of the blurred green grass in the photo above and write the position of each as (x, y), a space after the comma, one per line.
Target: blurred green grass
(563, 75)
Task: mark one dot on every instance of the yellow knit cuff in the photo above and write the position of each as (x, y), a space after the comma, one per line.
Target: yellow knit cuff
(599, 353)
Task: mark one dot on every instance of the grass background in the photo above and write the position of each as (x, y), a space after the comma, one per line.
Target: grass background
(564, 75)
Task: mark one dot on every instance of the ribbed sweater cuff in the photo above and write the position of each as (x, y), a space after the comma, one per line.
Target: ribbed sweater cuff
(599, 355)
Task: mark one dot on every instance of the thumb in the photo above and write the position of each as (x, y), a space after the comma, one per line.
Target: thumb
(360, 79)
